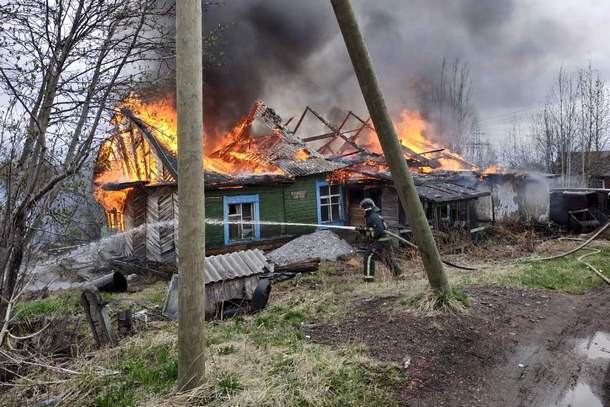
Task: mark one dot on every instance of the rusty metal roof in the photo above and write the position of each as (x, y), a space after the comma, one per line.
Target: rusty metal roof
(229, 266)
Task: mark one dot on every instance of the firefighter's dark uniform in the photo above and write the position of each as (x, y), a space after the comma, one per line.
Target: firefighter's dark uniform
(381, 246)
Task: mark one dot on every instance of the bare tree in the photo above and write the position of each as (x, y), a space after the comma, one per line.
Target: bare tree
(574, 121)
(556, 126)
(452, 105)
(445, 101)
(594, 110)
(520, 150)
(63, 64)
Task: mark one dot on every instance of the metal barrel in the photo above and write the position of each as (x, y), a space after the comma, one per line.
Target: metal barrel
(111, 283)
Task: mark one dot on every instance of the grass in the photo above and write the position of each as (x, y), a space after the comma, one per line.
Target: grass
(564, 274)
(266, 359)
(149, 296)
(255, 360)
(145, 367)
(64, 303)
(428, 302)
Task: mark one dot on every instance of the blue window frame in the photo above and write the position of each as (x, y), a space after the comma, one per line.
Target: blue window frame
(241, 215)
(330, 203)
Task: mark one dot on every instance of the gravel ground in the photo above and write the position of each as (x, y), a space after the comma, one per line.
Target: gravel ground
(323, 244)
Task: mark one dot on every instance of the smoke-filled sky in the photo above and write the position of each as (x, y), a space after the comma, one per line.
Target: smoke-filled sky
(290, 53)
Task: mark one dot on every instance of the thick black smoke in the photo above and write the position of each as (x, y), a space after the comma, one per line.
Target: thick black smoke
(290, 52)
(262, 43)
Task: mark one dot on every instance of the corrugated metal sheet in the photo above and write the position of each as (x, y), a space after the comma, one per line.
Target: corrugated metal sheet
(229, 266)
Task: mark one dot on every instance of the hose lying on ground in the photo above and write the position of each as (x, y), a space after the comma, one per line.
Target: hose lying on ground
(586, 243)
(593, 269)
(415, 246)
(580, 258)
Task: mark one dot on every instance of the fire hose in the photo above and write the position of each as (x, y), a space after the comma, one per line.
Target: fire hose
(580, 258)
(402, 239)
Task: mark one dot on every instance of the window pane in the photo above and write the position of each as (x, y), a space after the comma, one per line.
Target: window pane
(335, 200)
(324, 213)
(324, 201)
(233, 209)
(247, 232)
(242, 216)
(234, 232)
(324, 190)
(335, 212)
(335, 189)
(247, 210)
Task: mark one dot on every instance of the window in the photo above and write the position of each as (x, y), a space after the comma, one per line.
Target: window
(241, 218)
(330, 203)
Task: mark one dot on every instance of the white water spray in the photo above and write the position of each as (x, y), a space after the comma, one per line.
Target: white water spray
(221, 222)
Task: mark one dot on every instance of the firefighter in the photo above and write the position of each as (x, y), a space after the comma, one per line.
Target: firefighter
(380, 243)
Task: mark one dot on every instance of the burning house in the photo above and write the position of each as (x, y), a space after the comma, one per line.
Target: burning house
(262, 171)
(258, 171)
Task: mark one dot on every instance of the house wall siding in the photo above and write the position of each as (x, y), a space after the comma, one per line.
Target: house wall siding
(135, 217)
(300, 199)
(294, 202)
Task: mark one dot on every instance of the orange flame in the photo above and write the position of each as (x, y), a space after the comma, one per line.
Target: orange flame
(493, 169)
(127, 157)
(301, 155)
(411, 129)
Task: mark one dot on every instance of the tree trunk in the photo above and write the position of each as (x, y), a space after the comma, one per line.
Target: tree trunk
(391, 146)
(191, 226)
(13, 265)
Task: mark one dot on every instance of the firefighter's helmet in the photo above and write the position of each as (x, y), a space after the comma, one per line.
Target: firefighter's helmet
(368, 204)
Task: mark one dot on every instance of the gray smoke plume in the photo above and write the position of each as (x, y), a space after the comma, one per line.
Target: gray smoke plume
(290, 53)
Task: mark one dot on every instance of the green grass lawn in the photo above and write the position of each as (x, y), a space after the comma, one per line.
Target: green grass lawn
(565, 274)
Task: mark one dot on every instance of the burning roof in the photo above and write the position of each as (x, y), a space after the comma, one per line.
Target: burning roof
(355, 138)
(258, 150)
(438, 187)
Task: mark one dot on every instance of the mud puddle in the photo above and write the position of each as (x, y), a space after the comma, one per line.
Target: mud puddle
(596, 349)
(581, 395)
(514, 348)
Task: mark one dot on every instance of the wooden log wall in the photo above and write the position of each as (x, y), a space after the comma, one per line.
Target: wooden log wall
(135, 219)
(160, 217)
(390, 207)
(153, 238)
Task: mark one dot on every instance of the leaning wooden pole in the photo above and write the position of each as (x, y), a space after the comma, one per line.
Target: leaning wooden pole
(388, 139)
(191, 226)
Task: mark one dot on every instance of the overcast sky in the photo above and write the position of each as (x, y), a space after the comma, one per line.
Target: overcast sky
(290, 53)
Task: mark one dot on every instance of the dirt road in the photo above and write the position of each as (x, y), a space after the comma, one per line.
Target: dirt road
(514, 348)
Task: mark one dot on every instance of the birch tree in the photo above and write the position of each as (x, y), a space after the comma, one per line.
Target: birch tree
(557, 126)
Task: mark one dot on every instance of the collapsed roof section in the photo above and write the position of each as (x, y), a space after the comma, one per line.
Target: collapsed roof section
(355, 139)
(274, 156)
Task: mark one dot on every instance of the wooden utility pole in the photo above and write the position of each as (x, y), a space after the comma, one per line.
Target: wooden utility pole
(191, 225)
(391, 147)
